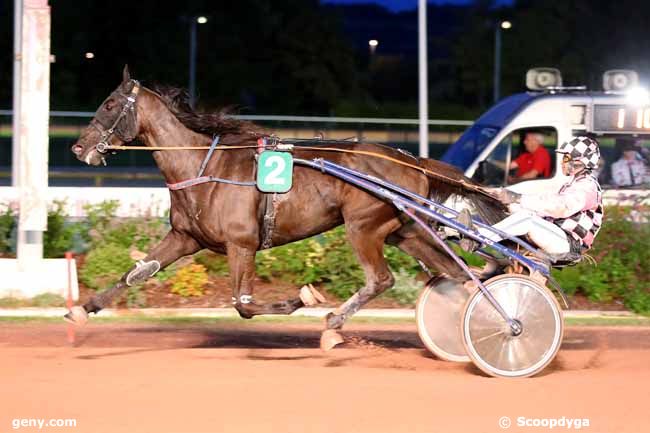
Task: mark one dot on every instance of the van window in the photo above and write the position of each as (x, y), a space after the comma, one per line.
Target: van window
(624, 162)
(512, 153)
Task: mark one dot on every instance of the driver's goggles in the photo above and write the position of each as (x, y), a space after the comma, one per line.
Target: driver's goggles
(566, 158)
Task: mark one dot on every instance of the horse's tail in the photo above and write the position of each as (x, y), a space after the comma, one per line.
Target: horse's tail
(452, 183)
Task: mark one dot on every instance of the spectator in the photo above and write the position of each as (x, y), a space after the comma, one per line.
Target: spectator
(630, 169)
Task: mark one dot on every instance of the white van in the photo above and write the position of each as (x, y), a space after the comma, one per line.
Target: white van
(616, 115)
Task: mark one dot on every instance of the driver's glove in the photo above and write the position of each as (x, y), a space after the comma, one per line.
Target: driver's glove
(506, 196)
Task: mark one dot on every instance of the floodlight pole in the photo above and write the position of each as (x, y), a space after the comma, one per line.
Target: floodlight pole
(194, 20)
(423, 77)
(497, 57)
(192, 84)
(497, 63)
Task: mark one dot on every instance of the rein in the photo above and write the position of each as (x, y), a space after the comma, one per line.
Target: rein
(291, 147)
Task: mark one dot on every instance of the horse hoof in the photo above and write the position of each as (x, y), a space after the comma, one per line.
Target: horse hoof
(470, 286)
(77, 316)
(329, 339)
(310, 296)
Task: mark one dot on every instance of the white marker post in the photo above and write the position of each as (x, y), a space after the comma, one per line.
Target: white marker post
(30, 275)
(34, 135)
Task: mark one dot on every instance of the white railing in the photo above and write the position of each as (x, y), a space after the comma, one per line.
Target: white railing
(314, 119)
(138, 202)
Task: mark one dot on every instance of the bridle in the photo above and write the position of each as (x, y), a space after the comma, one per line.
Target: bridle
(125, 135)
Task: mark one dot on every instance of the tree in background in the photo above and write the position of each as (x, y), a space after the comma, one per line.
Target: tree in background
(282, 56)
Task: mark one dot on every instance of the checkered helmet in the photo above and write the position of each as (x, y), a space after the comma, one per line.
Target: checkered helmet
(582, 149)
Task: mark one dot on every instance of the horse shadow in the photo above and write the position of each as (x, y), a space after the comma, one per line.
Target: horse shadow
(261, 345)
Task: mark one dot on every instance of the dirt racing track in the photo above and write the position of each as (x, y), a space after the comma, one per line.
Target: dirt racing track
(268, 377)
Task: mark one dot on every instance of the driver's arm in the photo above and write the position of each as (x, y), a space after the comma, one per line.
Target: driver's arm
(502, 165)
(532, 174)
(578, 197)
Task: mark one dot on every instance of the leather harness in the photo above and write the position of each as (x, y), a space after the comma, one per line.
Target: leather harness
(269, 203)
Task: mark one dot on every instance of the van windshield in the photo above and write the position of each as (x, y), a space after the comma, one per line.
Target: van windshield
(468, 147)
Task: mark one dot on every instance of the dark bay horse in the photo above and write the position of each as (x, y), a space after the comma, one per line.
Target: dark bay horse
(229, 218)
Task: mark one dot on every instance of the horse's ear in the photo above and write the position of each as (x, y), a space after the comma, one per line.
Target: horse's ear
(125, 74)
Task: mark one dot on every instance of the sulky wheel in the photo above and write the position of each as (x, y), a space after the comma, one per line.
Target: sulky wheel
(490, 341)
(438, 313)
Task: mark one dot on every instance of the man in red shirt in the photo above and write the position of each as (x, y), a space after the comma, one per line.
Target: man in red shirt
(534, 162)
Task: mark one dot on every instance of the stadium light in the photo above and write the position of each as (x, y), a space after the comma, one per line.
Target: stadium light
(373, 44)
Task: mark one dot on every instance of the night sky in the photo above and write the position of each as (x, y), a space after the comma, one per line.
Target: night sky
(401, 5)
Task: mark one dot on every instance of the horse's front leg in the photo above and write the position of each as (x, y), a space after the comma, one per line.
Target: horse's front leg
(241, 261)
(367, 241)
(174, 246)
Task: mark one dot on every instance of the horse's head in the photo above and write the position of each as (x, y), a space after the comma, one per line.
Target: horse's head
(115, 123)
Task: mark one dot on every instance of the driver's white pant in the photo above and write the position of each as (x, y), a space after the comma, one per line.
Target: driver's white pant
(544, 234)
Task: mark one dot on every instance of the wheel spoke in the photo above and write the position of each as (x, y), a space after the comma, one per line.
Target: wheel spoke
(526, 298)
(486, 337)
(493, 352)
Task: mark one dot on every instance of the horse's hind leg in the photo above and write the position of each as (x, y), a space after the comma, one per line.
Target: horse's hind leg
(368, 244)
(430, 255)
(174, 246)
(415, 242)
(241, 261)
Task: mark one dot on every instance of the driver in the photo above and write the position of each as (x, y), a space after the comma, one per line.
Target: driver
(533, 162)
(561, 222)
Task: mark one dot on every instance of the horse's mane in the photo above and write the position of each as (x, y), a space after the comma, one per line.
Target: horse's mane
(219, 122)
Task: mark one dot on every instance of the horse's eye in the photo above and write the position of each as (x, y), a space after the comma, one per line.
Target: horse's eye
(109, 105)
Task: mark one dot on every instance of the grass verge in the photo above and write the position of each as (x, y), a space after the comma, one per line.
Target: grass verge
(607, 321)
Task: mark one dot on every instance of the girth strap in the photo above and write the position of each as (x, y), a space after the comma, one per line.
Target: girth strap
(268, 221)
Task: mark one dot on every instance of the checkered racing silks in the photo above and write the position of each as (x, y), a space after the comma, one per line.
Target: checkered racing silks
(583, 226)
(582, 149)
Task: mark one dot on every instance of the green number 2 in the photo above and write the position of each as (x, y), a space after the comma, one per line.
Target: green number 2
(274, 171)
(274, 177)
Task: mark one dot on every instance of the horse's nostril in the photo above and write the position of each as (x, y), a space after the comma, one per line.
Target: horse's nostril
(77, 150)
